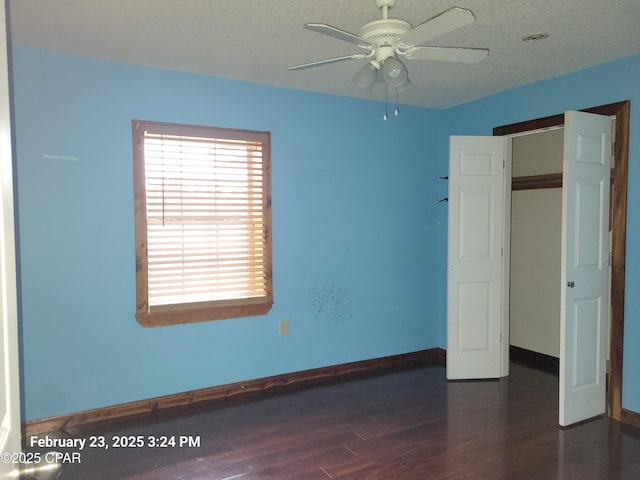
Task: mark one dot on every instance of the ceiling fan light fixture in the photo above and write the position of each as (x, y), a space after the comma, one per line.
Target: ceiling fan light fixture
(395, 73)
(392, 68)
(366, 77)
(386, 40)
(396, 89)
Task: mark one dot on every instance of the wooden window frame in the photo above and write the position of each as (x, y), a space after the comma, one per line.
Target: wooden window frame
(180, 313)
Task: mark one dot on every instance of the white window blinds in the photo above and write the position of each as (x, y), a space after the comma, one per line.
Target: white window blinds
(205, 219)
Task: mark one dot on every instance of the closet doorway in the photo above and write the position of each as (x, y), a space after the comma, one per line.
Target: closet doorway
(620, 112)
(536, 235)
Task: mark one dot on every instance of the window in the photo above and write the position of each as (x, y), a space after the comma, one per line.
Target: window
(203, 223)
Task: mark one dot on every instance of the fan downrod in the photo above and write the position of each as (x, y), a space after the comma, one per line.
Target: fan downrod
(385, 6)
(385, 3)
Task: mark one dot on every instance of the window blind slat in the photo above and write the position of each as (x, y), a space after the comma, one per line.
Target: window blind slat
(205, 219)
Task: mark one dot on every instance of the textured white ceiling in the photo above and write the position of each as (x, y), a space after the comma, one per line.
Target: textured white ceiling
(256, 40)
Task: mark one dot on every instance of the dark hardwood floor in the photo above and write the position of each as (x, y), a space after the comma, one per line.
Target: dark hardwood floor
(410, 425)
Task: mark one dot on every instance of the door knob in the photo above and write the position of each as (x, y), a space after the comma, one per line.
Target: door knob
(571, 284)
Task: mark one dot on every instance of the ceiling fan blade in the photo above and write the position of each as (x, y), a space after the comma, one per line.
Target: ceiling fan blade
(448, 54)
(337, 33)
(327, 61)
(445, 22)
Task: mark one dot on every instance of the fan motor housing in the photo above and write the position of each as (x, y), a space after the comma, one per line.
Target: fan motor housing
(384, 32)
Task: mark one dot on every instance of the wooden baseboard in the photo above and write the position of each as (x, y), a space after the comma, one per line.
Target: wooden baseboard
(630, 417)
(533, 359)
(239, 391)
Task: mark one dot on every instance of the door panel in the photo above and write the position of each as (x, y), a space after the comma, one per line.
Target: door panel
(476, 222)
(584, 269)
(585, 326)
(475, 267)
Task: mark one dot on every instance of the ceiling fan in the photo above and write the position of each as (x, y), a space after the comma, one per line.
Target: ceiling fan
(387, 39)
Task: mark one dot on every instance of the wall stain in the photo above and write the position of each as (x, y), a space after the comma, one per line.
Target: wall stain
(330, 303)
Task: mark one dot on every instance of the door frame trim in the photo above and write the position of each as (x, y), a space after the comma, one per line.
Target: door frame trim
(621, 111)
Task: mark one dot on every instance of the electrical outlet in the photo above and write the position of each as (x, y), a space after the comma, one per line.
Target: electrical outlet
(284, 328)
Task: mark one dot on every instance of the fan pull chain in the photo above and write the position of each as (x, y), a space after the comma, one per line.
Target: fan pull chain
(386, 99)
(396, 111)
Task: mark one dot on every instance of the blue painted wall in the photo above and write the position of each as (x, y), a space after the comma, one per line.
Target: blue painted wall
(354, 208)
(359, 235)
